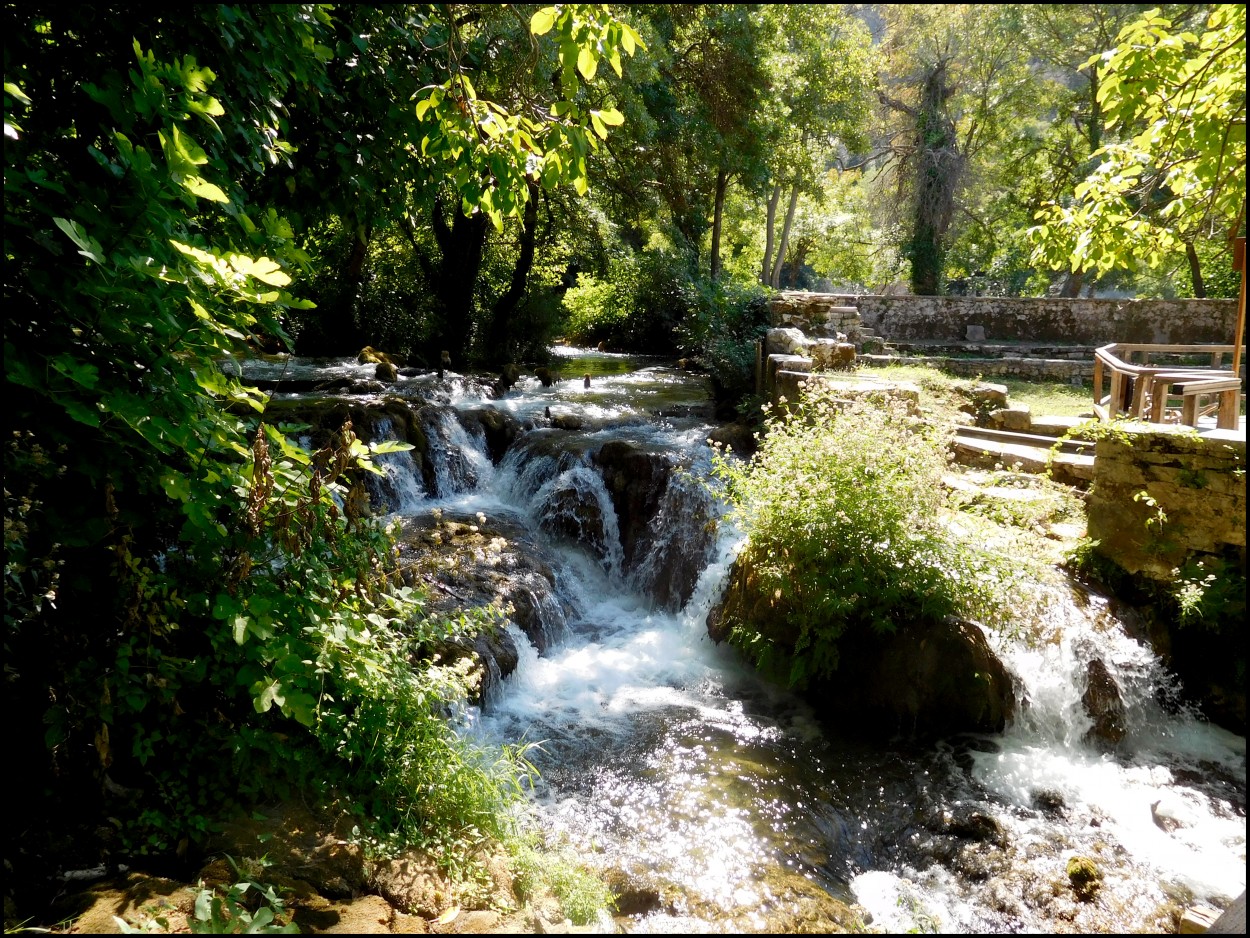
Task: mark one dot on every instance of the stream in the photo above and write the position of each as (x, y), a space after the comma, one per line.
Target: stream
(727, 804)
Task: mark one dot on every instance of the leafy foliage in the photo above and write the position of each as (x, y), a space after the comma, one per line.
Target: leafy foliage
(845, 518)
(199, 612)
(583, 895)
(1178, 100)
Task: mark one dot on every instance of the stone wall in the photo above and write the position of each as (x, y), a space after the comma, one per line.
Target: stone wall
(1042, 319)
(1197, 482)
(819, 315)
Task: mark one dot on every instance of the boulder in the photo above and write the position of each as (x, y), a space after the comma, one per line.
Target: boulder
(785, 342)
(371, 356)
(387, 372)
(1103, 703)
(828, 354)
(981, 400)
(928, 678)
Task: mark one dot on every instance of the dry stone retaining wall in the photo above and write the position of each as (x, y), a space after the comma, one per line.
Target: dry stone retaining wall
(1040, 319)
(1197, 482)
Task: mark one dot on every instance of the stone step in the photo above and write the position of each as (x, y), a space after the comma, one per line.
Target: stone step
(1054, 425)
(1070, 462)
(1026, 439)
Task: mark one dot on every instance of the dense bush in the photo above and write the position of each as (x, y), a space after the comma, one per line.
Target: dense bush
(726, 321)
(199, 614)
(636, 306)
(844, 511)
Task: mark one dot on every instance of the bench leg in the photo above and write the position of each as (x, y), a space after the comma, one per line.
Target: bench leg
(1189, 410)
(1230, 404)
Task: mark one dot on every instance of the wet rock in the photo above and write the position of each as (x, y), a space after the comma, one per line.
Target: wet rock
(1049, 801)
(972, 822)
(572, 512)
(476, 562)
(1168, 815)
(1105, 707)
(636, 480)
(500, 429)
(371, 356)
(634, 894)
(738, 436)
(932, 678)
(976, 862)
(387, 372)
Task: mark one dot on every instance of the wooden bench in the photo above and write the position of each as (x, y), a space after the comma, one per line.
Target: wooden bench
(1192, 388)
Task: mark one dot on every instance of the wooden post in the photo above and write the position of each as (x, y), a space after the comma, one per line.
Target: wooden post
(1239, 332)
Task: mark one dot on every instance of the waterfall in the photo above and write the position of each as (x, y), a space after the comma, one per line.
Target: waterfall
(458, 457)
(401, 489)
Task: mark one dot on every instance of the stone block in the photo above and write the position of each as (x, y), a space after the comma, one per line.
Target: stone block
(1016, 418)
(786, 341)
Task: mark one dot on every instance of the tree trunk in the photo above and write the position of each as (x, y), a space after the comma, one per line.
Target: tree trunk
(785, 237)
(1195, 271)
(499, 350)
(1072, 283)
(938, 172)
(461, 244)
(722, 184)
(766, 268)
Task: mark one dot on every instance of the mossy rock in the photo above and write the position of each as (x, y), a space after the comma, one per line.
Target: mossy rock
(1085, 877)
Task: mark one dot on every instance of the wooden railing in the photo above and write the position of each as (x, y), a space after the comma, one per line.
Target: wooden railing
(1145, 379)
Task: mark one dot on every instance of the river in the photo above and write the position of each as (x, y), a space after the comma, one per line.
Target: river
(666, 760)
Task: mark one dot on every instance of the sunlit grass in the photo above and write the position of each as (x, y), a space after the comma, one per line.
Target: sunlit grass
(941, 390)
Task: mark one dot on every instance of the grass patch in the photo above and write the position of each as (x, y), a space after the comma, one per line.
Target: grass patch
(945, 392)
(539, 871)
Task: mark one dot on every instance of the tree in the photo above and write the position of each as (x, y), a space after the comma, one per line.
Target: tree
(820, 74)
(1177, 101)
(957, 79)
(198, 611)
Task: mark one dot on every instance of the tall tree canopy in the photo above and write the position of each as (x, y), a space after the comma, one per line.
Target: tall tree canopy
(1175, 171)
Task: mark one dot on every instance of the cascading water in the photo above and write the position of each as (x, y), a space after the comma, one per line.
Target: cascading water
(725, 800)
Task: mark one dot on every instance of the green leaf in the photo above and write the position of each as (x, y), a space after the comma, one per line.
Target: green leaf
(90, 247)
(81, 412)
(540, 23)
(262, 268)
(239, 627)
(587, 63)
(188, 149)
(176, 485)
(389, 446)
(201, 187)
(612, 117)
(16, 92)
